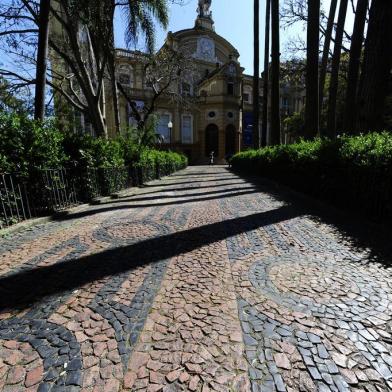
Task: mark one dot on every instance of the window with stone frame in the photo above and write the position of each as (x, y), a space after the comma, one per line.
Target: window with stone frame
(125, 75)
(248, 95)
(230, 88)
(163, 127)
(187, 128)
(83, 124)
(186, 89)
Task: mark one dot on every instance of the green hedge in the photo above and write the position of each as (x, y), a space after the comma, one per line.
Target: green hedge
(351, 172)
(27, 146)
(156, 164)
(89, 167)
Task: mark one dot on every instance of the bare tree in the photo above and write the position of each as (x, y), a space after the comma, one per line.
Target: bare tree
(81, 45)
(165, 75)
(295, 12)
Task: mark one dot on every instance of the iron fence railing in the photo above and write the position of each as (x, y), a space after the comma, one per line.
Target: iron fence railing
(14, 201)
(47, 191)
(60, 189)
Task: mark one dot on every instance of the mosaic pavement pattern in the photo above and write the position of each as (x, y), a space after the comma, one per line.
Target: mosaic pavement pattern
(200, 282)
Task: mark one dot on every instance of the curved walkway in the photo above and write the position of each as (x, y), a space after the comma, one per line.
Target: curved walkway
(201, 282)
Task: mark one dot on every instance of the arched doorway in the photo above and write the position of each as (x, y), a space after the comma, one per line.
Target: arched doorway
(230, 140)
(212, 140)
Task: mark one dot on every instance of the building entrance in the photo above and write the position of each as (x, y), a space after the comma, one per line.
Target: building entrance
(212, 140)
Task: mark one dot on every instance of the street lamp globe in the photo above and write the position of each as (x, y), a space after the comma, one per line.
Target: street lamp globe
(170, 126)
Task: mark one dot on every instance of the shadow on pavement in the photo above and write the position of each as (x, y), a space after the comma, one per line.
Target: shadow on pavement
(218, 179)
(181, 188)
(25, 288)
(190, 199)
(221, 191)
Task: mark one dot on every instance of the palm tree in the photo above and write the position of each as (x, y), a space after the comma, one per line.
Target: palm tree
(312, 68)
(324, 60)
(376, 67)
(266, 73)
(141, 16)
(334, 84)
(42, 59)
(275, 70)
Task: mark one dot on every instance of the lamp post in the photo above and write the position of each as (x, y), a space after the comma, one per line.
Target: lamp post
(170, 126)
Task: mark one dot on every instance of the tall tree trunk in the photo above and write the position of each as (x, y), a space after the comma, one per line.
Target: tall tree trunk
(112, 71)
(264, 129)
(334, 84)
(275, 70)
(97, 117)
(256, 76)
(42, 60)
(354, 65)
(324, 60)
(113, 82)
(312, 68)
(376, 67)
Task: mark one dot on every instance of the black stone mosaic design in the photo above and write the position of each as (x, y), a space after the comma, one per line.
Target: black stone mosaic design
(128, 321)
(57, 347)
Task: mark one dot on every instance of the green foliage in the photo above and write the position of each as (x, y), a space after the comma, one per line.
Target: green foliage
(87, 151)
(26, 145)
(373, 150)
(10, 102)
(294, 124)
(95, 166)
(354, 172)
(156, 163)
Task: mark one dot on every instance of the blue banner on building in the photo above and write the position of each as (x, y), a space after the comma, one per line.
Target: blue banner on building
(247, 133)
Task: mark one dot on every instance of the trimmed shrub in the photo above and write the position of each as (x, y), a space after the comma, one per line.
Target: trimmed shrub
(155, 164)
(350, 172)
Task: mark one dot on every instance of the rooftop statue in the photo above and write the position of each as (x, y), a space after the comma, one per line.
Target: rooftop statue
(204, 8)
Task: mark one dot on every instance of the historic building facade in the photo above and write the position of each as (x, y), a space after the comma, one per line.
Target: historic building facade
(220, 118)
(214, 120)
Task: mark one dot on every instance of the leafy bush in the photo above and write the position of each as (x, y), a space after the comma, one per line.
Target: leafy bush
(87, 151)
(26, 145)
(154, 163)
(353, 172)
(94, 166)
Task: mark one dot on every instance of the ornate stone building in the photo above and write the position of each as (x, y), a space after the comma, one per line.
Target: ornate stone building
(220, 117)
(214, 120)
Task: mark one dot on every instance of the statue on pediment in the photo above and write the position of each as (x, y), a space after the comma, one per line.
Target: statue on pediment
(204, 8)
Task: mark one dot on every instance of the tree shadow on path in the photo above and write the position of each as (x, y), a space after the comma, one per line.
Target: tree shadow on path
(25, 288)
(188, 199)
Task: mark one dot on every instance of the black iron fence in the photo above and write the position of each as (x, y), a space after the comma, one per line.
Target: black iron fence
(15, 205)
(48, 191)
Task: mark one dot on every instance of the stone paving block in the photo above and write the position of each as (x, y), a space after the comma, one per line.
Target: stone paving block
(169, 291)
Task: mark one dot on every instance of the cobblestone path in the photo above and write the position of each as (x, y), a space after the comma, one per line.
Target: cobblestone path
(200, 282)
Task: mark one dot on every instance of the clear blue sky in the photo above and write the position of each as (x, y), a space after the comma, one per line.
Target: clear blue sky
(233, 20)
